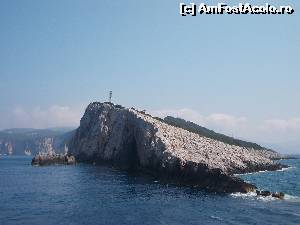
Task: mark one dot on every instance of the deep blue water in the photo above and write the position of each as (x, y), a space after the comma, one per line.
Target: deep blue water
(86, 194)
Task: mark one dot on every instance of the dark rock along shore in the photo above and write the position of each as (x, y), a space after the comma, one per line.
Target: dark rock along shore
(50, 159)
(132, 140)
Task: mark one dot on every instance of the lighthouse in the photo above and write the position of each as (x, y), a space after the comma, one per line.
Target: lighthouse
(110, 96)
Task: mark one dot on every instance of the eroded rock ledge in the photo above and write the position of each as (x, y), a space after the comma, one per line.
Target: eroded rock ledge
(52, 159)
(133, 140)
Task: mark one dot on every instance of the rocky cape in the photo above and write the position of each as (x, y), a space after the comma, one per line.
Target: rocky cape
(133, 140)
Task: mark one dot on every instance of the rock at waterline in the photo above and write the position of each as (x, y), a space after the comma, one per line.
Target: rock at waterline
(279, 195)
(55, 159)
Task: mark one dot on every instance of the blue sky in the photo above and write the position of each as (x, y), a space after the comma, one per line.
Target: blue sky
(236, 74)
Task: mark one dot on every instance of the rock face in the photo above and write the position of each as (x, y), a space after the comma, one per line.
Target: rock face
(32, 141)
(133, 140)
(54, 159)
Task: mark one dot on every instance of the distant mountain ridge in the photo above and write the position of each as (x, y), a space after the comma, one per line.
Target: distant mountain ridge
(20, 141)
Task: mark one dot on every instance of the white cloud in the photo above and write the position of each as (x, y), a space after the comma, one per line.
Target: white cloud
(291, 124)
(225, 120)
(53, 116)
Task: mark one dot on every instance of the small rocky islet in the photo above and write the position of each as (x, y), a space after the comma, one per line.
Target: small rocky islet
(133, 140)
(53, 159)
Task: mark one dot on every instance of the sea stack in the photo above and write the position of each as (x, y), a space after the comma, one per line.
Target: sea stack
(133, 140)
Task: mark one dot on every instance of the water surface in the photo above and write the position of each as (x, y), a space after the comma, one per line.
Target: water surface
(87, 194)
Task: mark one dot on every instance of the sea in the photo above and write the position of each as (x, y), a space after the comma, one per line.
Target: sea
(89, 194)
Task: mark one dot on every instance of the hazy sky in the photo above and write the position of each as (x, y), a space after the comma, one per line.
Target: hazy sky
(236, 74)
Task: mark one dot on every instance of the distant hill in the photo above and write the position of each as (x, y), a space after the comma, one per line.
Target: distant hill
(195, 128)
(20, 141)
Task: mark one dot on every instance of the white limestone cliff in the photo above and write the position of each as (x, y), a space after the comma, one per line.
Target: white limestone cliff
(130, 139)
